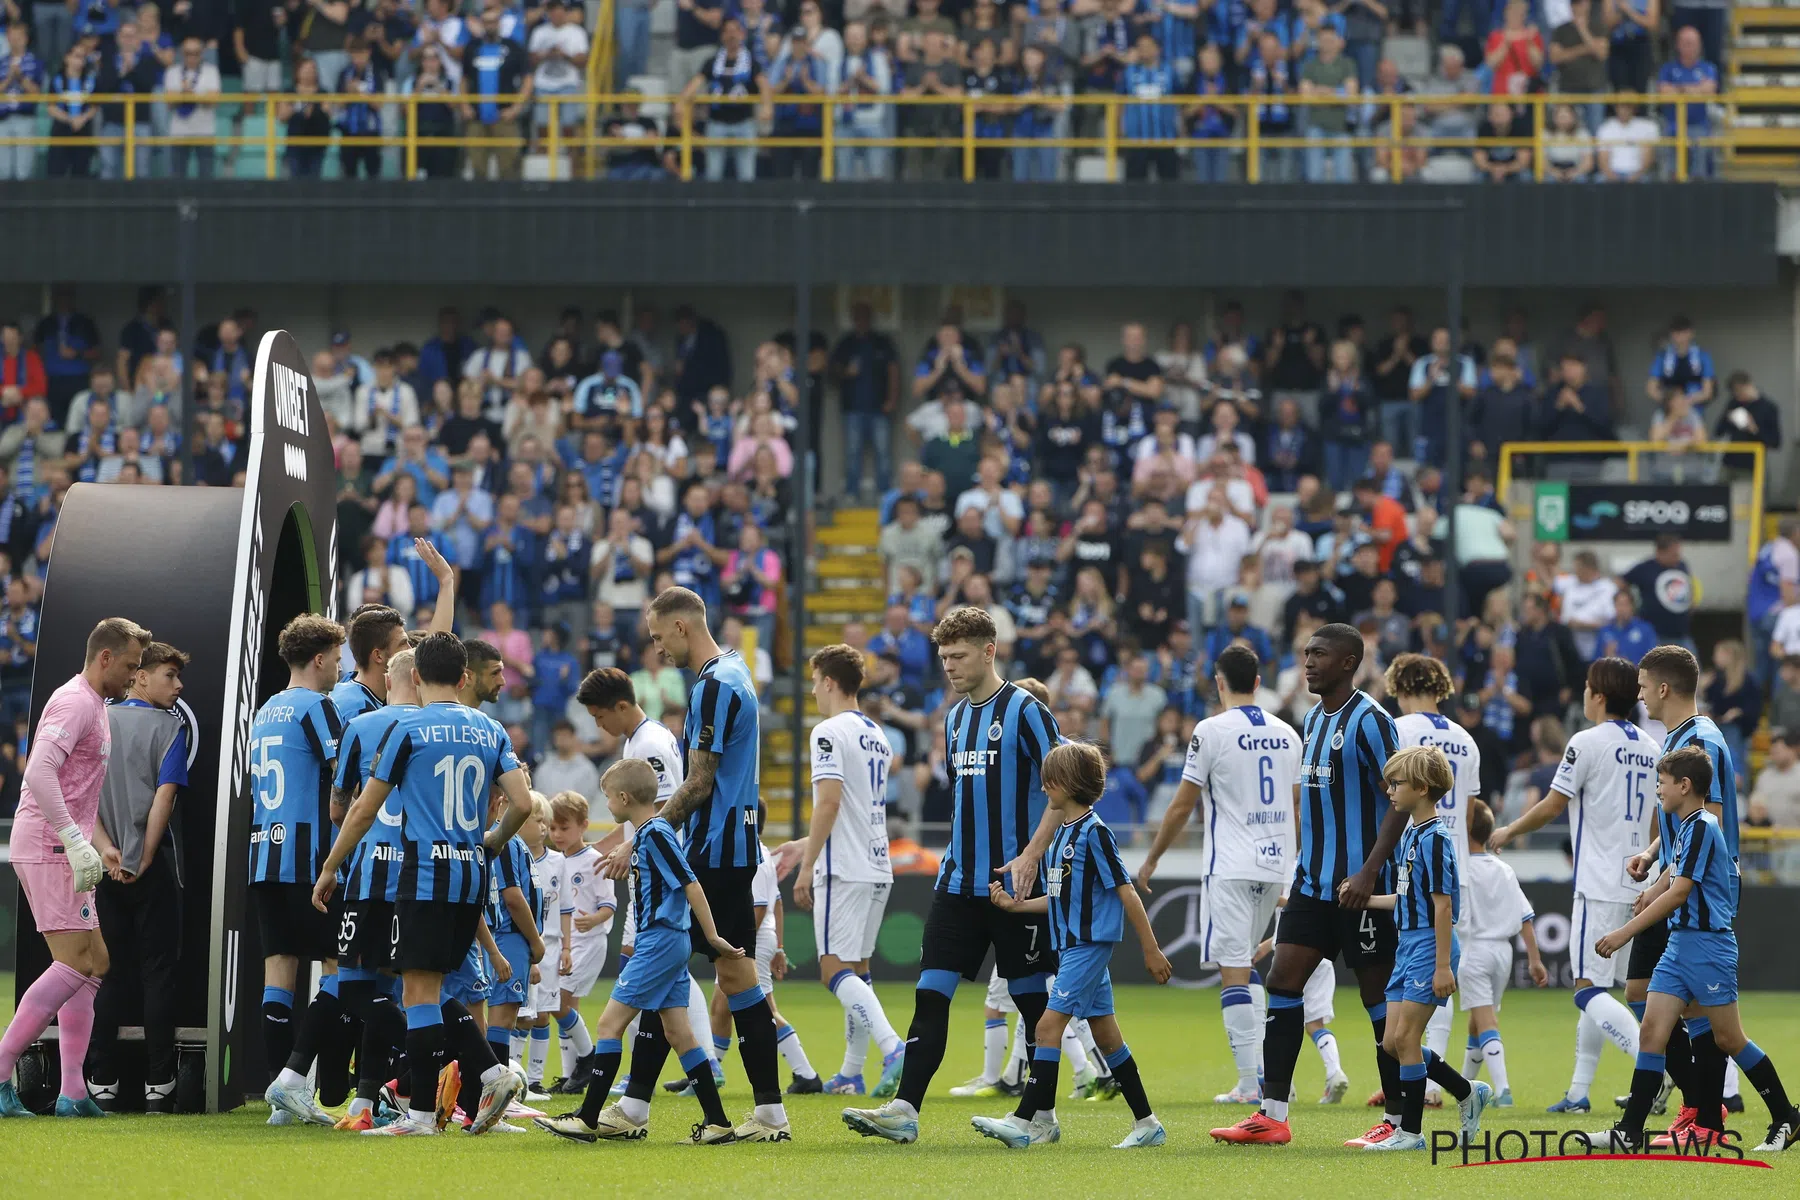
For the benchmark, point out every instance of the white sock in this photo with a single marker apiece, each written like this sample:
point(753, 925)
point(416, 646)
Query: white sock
point(1275, 1110)
point(1239, 1015)
point(901, 1108)
point(1016, 1070)
point(1437, 1040)
point(698, 1017)
point(1493, 1055)
point(521, 1035)
point(494, 1072)
point(291, 1079)
point(1259, 1004)
point(1472, 1059)
point(993, 1056)
point(1589, 1041)
point(1044, 1116)
point(359, 1105)
point(537, 1056)
point(422, 1118)
point(1613, 1019)
point(576, 1042)
point(771, 1114)
point(787, 1040)
point(1326, 1041)
point(633, 1110)
point(1731, 1078)
point(859, 1000)
point(1074, 1055)
point(1091, 1049)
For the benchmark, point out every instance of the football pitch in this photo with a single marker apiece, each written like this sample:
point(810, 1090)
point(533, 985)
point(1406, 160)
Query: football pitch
point(1175, 1035)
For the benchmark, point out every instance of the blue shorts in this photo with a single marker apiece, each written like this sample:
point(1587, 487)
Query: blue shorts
point(1082, 986)
point(518, 957)
point(469, 982)
point(1415, 962)
point(655, 977)
point(1701, 967)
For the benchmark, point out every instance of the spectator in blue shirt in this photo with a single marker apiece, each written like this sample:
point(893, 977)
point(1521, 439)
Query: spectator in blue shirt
point(462, 514)
point(1436, 381)
point(1236, 628)
point(1211, 121)
point(442, 356)
point(1628, 61)
point(1034, 78)
point(360, 120)
point(1681, 365)
point(555, 674)
point(1688, 74)
point(913, 648)
point(798, 71)
point(609, 394)
point(1225, 21)
point(1148, 77)
point(1629, 636)
point(1269, 75)
point(1262, 18)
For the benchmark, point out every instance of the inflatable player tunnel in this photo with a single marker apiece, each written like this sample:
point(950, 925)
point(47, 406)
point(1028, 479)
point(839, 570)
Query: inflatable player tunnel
point(215, 572)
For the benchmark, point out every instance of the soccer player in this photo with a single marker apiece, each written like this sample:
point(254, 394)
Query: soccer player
point(556, 912)
point(1668, 678)
point(771, 964)
point(58, 850)
point(1699, 965)
point(294, 749)
point(1246, 761)
point(1605, 781)
point(591, 897)
point(1419, 684)
point(441, 760)
point(844, 876)
point(139, 904)
point(365, 940)
point(1425, 902)
point(375, 634)
point(1494, 911)
point(486, 675)
point(512, 906)
point(997, 736)
point(1318, 1006)
point(672, 908)
point(1347, 835)
point(715, 807)
point(1089, 898)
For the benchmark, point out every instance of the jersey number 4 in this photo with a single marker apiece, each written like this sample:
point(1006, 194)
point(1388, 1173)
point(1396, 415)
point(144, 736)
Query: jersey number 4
point(462, 779)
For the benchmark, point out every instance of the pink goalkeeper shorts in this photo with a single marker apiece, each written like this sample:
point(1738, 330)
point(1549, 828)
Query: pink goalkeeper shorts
point(55, 904)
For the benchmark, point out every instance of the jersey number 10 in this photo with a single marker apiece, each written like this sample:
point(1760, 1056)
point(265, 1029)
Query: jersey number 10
point(455, 771)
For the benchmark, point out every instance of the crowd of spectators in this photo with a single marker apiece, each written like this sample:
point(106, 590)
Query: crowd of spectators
point(754, 67)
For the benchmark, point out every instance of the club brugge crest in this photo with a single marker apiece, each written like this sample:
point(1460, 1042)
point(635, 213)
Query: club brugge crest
point(1337, 740)
point(994, 732)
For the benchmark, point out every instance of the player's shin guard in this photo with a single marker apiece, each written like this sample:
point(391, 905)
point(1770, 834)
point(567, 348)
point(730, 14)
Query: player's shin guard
point(1708, 1094)
point(1386, 1064)
point(1412, 1096)
point(1131, 1084)
point(424, 1054)
point(321, 1020)
point(1239, 1015)
point(755, 1022)
point(607, 1054)
point(1040, 1093)
point(1761, 1073)
point(927, 1035)
point(1646, 1081)
point(1282, 1035)
point(278, 1026)
point(699, 1072)
point(1445, 1076)
point(649, 1051)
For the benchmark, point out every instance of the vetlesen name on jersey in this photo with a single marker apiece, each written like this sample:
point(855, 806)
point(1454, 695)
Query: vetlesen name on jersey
point(473, 735)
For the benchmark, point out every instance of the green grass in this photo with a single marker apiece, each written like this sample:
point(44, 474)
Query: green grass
point(1176, 1036)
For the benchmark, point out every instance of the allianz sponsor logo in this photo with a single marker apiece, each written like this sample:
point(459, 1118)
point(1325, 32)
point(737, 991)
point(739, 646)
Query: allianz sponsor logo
point(443, 853)
point(383, 852)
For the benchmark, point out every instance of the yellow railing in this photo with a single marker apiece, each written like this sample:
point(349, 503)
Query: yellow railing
point(1633, 453)
point(1111, 142)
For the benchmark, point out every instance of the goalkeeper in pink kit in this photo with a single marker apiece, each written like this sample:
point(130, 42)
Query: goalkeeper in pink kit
point(59, 853)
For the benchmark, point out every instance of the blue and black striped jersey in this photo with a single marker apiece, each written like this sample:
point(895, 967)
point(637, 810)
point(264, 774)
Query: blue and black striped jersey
point(509, 867)
point(442, 760)
point(293, 745)
point(1342, 797)
point(1082, 872)
point(1427, 868)
point(1700, 730)
point(1702, 856)
point(373, 869)
point(722, 718)
point(353, 699)
point(996, 749)
point(659, 875)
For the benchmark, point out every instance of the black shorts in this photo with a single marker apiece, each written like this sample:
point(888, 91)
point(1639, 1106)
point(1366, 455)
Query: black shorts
point(367, 933)
point(727, 892)
point(1363, 937)
point(289, 924)
point(959, 930)
point(433, 935)
point(1647, 950)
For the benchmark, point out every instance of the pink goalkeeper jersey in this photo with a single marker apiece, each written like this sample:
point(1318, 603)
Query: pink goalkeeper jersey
point(76, 738)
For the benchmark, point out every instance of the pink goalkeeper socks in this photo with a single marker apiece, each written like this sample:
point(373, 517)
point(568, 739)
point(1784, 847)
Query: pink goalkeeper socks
point(75, 1028)
point(37, 1007)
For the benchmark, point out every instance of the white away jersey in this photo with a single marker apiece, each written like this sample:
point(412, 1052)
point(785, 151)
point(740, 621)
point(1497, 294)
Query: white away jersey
point(853, 750)
point(1493, 903)
point(652, 742)
point(1246, 762)
point(549, 873)
point(589, 891)
point(1609, 775)
point(1434, 729)
point(765, 890)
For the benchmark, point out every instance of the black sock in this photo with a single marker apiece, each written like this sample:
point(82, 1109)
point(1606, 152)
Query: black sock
point(1131, 1084)
point(1679, 1057)
point(317, 1023)
point(341, 1037)
point(1646, 1081)
point(706, 1091)
point(1446, 1076)
point(925, 1040)
point(1031, 1006)
point(278, 1027)
point(1709, 1081)
point(383, 1044)
point(464, 1039)
point(424, 1053)
point(1760, 1071)
point(1283, 1031)
point(1412, 1097)
point(1040, 1090)
point(1386, 1065)
point(648, 1054)
point(606, 1068)
point(755, 1022)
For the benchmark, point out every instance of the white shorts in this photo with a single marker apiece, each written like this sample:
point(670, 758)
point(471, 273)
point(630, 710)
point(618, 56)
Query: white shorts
point(264, 75)
point(1234, 915)
point(546, 993)
point(1321, 988)
point(998, 998)
point(1487, 965)
point(847, 916)
point(1591, 920)
point(765, 955)
point(587, 957)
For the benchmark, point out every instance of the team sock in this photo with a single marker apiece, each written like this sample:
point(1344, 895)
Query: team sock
point(1259, 1004)
point(1761, 1073)
point(1326, 1043)
point(337, 1040)
point(1679, 1054)
point(500, 1042)
point(42, 1001)
point(699, 1070)
point(994, 1057)
point(74, 1030)
point(1646, 1081)
point(1437, 1036)
point(319, 1022)
point(1086, 1036)
point(1472, 1059)
point(1412, 1097)
point(1239, 1014)
point(383, 1031)
point(424, 1052)
point(1493, 1056)
point(538, 1054)
point(1018, 1060)
point(1732, 1087)
point(755, 1022)
point(700, 1018)
point(1386, 1065)
point(865, 1021)
point(1032, 995)
point(1281, 1049)
point(1131, 1085)
point(463, 1041)
point(649, 1051)
point(1445, 1076)
point(278, 1026)
point(1040, 1093)
point(1709, 1076)
point(1588, 1042)
point(1610, 1017)
point(926, 1036)
point(519, 1045)
point(573, 1039)
point(607, 1054)
point(788, 1042)
point(1079, 1064)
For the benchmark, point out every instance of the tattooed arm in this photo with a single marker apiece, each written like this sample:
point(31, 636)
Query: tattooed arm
point(695, 790)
